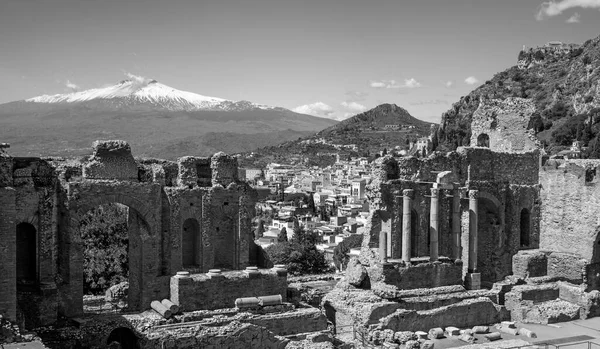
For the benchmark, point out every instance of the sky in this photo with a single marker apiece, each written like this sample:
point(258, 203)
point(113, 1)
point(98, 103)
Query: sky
point(330, 58)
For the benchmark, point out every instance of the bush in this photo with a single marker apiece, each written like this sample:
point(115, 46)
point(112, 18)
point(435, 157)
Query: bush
point(300, 259)
point(105, 239)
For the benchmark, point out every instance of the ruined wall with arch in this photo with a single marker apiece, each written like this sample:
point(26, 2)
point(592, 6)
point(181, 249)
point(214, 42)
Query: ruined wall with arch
point(507, 183)
point(53, 194)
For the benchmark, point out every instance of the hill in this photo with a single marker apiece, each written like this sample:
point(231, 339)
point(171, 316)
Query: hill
point(384, 127)
point(561, 80)
point(157, 120)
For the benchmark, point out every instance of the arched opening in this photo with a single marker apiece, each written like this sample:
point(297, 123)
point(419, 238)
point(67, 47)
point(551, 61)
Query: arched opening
point(225, 244)
point(122, 338)
point(525, 226)
point(190, 243)
point(414, 234)
point(26, 255)
point(105, 246)
point(483, 140)
point(489, 252)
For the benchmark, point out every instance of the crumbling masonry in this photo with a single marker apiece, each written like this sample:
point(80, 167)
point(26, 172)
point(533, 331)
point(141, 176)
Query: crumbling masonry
point(190, 215)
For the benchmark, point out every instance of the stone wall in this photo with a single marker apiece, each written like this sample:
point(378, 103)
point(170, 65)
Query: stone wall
point(52, 195)
point(424, 275)
point(468, 313)
point(201, 291)
point(505, 123)
point(508, 190)
point(570, 207)
point(302, 320)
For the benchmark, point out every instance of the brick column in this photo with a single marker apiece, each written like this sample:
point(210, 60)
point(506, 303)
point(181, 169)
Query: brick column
point(434, 225)
point(8, 257)
point(406, 224)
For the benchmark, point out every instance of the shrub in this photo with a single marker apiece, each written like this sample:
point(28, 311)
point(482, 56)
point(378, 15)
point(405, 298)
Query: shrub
point(105, 239)
point(299, 258)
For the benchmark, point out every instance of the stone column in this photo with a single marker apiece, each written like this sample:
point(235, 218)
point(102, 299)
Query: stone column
point(473, 278)
point(383, 246)
point(456, 247)
point(406, 224)
point(473, 195)
point(434, 225)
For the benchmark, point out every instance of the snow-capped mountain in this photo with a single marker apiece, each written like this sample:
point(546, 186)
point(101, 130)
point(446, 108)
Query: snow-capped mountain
point(132, 92)
point(157, 120)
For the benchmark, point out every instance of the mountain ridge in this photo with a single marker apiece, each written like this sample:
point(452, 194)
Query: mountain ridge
point(153, 117)
point(385, 126)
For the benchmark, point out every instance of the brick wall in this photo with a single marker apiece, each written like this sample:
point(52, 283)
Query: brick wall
point(423, 275)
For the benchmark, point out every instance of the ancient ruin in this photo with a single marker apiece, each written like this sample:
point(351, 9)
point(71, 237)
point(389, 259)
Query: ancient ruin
point(471, 237)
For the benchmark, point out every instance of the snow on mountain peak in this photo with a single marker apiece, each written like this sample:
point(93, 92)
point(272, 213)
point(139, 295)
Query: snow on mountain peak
point(141, 90)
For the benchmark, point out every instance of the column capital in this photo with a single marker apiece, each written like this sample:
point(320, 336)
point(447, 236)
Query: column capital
point(473, 194)
point(408, 193)
point(435, 192)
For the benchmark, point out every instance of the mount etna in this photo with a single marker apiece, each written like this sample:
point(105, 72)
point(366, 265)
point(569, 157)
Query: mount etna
point(157, 120)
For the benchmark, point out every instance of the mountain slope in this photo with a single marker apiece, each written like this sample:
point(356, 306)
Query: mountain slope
point(564, 85)
point(383, 127)
point(157, 120)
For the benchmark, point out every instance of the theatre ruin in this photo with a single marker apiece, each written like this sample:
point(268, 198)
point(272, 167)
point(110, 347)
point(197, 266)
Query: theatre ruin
point(466, 238)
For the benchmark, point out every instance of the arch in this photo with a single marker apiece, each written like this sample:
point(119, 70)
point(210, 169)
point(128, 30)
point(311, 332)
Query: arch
point(414, 233)
point(190, 243)
point(144, 241)
point(27, 259)
point(122, 337)
point(483, 140)
point(525, 228)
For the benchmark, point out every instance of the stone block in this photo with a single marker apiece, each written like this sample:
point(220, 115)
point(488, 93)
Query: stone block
point(473, 281)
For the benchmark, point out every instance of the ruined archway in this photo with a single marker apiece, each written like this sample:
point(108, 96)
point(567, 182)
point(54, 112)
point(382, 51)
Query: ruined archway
point(27, 259)
point(525, 228)
point(190, 243)
point(483, 140)
point(490, 234)
point(414, 233)
point(122, 337)
point(144, 250)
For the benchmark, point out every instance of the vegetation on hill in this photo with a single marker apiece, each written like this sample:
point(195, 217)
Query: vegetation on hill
point(564, 87)
point(367, 131)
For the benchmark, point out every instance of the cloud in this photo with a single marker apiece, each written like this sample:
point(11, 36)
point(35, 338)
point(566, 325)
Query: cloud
point(430, 102)
point(354, 107)
point(71, 86)
point(411, 83)
point(471, 80)
point(357, 95)
point(316, 109)
point(575, 18)
point(556, 7)
point(393, 84)
point(449, 84)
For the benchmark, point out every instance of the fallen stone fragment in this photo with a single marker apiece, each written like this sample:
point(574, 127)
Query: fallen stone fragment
point(452, 331)
point(427, 345)
point(493, 336)
point(481, 329)
point(509, 330)
point(527, 333)
point(436, 333)
point(421, 334)
point(467, 338)
point(508, 324)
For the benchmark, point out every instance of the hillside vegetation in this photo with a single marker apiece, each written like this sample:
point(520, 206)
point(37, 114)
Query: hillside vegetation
point(364, 134)
point(564, 87)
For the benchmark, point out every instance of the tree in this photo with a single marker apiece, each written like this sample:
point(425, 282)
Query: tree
point(305, 237)
point(340, 252)
point(311, 203)
point(299, 258)
point(282, 237)
point(105, 239)
point(260, 229)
